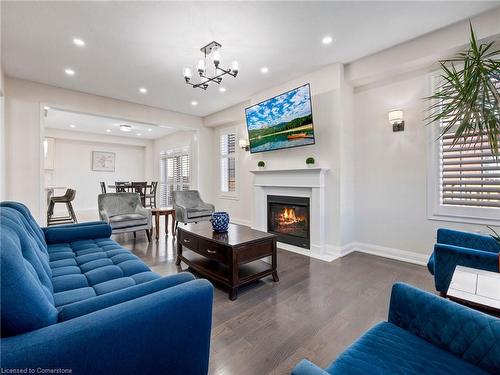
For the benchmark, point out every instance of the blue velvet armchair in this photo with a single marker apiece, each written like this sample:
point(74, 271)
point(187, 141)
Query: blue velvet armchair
point(424, 334)
point(461, 248)
point(73, 299)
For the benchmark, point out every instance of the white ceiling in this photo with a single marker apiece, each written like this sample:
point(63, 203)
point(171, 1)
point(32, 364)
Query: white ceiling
point(80, 122)
point(146, 44)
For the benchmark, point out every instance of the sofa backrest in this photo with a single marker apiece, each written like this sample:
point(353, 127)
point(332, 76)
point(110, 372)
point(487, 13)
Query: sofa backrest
point(27, 301)
point(187, 198)
point(467, 239)
point(467, 333)
point(118, 203)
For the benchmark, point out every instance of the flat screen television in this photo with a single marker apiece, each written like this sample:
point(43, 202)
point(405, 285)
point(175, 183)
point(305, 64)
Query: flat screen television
point(281, 122)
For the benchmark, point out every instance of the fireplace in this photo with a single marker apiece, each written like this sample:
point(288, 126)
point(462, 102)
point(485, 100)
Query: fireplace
point(288, 217)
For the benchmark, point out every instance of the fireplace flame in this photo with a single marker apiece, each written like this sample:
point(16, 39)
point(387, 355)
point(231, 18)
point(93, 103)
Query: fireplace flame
point(288, 216)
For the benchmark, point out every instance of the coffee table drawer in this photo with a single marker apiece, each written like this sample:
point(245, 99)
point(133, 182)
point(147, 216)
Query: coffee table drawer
point(191, 242)
point(213, 251)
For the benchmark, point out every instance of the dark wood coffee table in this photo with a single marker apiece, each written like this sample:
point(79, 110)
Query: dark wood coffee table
point(231, 259)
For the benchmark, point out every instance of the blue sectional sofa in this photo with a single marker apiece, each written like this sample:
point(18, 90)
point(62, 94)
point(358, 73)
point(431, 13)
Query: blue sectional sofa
point(461, 248)
point(425, 334)
point(72, 298)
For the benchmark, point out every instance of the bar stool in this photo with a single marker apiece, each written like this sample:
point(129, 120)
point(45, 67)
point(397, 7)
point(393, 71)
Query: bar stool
point(67, 198)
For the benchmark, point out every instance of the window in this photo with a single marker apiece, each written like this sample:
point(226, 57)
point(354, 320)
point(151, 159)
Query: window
point(227, 147)
point(175, 174)
point(466, 178)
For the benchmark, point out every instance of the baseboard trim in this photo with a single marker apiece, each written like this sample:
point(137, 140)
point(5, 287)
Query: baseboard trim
point(246, 223)
point(388, 252)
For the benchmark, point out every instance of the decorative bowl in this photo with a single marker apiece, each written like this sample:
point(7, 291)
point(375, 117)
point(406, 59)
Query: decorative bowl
point(220, 221)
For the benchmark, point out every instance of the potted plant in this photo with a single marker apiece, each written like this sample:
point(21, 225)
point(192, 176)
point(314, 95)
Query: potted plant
point(310, 162)
point(468, 97)
point(261, 164)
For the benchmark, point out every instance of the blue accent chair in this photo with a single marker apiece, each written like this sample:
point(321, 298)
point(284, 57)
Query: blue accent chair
point(424, 334)
point(461, 248)
point(72, 298)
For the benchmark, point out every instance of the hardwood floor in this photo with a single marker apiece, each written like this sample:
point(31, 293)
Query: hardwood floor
point(315, 311)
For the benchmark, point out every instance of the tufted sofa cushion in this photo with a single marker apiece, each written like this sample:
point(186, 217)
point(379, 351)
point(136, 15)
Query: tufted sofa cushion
point(88, 268)
point(41, 272)
point(27, 300)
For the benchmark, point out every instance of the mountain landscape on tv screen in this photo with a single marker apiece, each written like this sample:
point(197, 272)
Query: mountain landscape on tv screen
point(281, 122)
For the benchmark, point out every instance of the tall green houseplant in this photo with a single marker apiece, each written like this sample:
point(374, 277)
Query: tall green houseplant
point(468, 97)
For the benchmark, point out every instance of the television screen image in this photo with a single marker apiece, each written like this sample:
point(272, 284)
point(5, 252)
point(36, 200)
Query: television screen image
point(281, 122)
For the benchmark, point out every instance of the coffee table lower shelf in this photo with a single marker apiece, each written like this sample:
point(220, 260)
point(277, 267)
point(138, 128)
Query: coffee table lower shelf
point(220, 273)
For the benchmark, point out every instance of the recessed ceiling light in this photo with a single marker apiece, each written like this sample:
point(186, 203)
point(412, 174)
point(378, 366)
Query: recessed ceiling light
point(327, 40)
point(143, 90)
point(125, 128)
point(108, 130)
point(150, 130)
point(69, 72)
point(138, 134)
point(222, 89)
point(264, 69)
point(79, 42)
point(72, 126)
point(194, 103)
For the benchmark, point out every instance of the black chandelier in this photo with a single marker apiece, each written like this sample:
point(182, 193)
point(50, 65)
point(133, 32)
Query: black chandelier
point(211, 52)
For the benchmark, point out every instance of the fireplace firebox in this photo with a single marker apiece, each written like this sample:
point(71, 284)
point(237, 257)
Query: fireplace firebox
point(288, 217)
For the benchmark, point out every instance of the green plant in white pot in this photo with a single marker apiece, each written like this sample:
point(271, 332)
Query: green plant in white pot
point(261, 164)
point(466, 102)
point(310, 162)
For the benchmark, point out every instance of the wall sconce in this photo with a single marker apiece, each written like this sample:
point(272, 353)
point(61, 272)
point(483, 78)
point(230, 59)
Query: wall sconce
point(244, 144)
point(396, 120)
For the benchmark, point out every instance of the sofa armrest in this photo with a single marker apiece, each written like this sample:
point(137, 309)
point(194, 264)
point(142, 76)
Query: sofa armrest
point(145, 212)
point(77, 232)
point(469, 240)
point(86, 223)
point(306, 367)
point(90, 305)
point(447, 257)
point(467, 333)
point(167, 332)
point(103, 215)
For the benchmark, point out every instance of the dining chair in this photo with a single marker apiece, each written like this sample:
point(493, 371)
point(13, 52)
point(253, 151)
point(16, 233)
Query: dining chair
point(151, 196)
point(140, 188)
point(103, 187)
point(67, 198)
point(121, 186)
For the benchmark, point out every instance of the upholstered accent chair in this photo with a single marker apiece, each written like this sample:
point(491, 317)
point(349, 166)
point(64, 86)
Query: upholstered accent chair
point(124, 213)
point(424, 334)
point(73, 298)
point(454, 248)
point(190, 208)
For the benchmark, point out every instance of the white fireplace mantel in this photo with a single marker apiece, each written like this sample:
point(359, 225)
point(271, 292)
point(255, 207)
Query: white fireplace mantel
point(301, 182)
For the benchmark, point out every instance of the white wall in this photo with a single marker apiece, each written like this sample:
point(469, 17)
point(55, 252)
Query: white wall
point(330, 98)
point(23, 108)
point(73, 166)
point(376, 192)
point(391, 168)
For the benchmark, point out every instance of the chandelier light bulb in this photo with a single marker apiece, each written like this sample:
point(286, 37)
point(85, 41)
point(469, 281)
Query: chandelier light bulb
point(201, 66)
point(216, 56)
point(234, 66)
point(187, 73)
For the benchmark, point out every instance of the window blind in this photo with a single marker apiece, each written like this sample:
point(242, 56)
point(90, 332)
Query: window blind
point(228, 162)
point(175, 174)
point(470, 174)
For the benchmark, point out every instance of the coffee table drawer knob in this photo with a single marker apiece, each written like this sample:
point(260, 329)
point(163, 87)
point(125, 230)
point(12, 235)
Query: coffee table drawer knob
point(211, 251)
point(187, 240)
